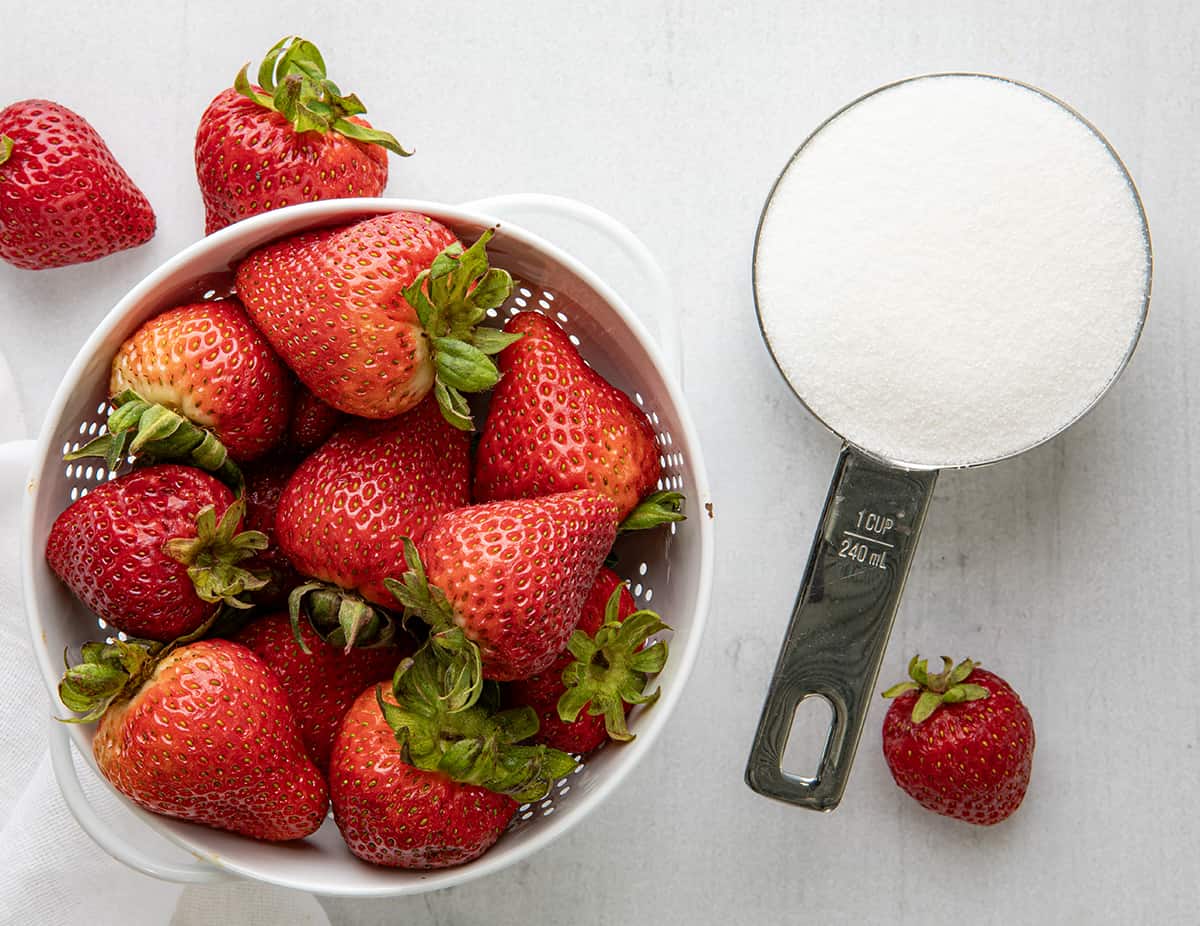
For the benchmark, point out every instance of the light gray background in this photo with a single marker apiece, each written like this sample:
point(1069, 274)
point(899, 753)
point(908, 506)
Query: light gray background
point(1074, 571)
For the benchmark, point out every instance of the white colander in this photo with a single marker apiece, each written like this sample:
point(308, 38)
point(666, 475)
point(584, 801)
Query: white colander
point(670, 568)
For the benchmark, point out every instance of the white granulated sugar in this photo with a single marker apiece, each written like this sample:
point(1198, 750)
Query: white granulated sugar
point(952, 270)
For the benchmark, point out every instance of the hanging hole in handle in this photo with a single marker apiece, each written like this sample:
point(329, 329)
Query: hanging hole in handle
point(808, 738)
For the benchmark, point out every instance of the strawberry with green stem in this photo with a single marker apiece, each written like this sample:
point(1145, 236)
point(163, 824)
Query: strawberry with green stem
point(960, 741)
point(344, 514)
point(503, 585)
point(293, 138)
point(195, 384)
point(583, 698)
point(375, 315)
point(199, 730)
point(419, 779)
point(156, 552)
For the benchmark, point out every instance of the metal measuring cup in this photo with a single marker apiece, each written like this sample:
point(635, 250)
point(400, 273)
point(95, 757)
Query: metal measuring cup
point(860, 557)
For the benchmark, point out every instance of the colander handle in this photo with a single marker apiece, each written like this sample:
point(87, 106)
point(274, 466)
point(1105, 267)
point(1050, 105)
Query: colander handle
point(841, 622)
point(197, 872)
point(661, 303)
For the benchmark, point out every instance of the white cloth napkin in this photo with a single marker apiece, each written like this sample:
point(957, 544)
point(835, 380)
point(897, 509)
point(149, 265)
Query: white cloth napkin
point(53, 873)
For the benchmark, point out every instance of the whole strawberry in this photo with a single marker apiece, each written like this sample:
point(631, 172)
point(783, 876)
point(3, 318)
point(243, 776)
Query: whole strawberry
point(960, 742)
point(555, 424)
point(195, 384)
point(418, 781)
point(345, 512)
point(322, 683)
point(64, 199)
point(582, 699)
point(202, 732)
point(155, 552)
point(503, 585)
point(373, 316)
point(292, 139)
point(265, 482)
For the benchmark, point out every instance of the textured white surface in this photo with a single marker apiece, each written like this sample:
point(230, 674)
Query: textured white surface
point(952, 270)
point(1074, 570)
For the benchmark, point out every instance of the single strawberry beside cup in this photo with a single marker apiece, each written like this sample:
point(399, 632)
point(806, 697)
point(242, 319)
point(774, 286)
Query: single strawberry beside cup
point(959, 741)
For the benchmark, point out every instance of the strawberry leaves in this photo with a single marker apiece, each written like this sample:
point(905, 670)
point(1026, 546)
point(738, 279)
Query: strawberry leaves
point(612, 668)
point(6, 148)
point(656, 508)
point(155, 434)
point(294, 84)
point(451, 299)
point(212, 556)
point(475, 745)
point(946, 687)
point(339, 617)
point(463, 664)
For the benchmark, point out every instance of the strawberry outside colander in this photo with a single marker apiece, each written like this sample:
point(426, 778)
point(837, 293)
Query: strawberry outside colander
point(670, 568)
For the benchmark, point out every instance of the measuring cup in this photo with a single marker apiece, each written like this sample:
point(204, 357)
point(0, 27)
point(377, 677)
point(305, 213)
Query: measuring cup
point(876, 505)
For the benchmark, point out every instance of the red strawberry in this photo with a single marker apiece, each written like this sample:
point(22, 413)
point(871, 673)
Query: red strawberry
point(155, 552)
point(207, 364)
point(959, 742)
point(607, 671)
point(418, 781)
point(372, 316)
point(294, 139)
point(555, 424)
point(312, 421)
point(265, 482)
point(345, 512)
point(64, 199)
point(511, 577)
point(321, 684)
point(203, 733)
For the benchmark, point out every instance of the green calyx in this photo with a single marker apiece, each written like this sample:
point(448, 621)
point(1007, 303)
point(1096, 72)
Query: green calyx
point(946, 687)
point(612, 668)
point(156, 434)
point(451, 299)
point(6, 148)
point(655, 509)
point(462, 661)
point(213, 555)
point(293, 77)
point(339, 617)
point(113, 671)
point(474, 745)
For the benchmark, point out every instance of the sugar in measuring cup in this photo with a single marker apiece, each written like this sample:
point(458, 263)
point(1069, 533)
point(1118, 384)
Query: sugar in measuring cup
point(950, 271)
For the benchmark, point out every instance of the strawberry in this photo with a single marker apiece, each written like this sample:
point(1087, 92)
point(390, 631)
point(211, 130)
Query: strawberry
point(321, 684)
point(202, 732)
point(582, 699)
point(196, 384)
point(502, 585)
point(345, 512)
point(292, 139)
point(960, 742)
point(555, 424)
point(419, 782)
point(64, 199)
point(265, 482)
point(374, 315)
point(312, 421)
point(155, 552)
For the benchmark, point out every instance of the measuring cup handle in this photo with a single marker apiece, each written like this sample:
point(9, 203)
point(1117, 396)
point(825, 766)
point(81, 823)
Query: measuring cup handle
point(841, 622)
point(659, 304)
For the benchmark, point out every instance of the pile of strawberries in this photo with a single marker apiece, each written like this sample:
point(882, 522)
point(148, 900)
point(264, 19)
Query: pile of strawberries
point(320, 589)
